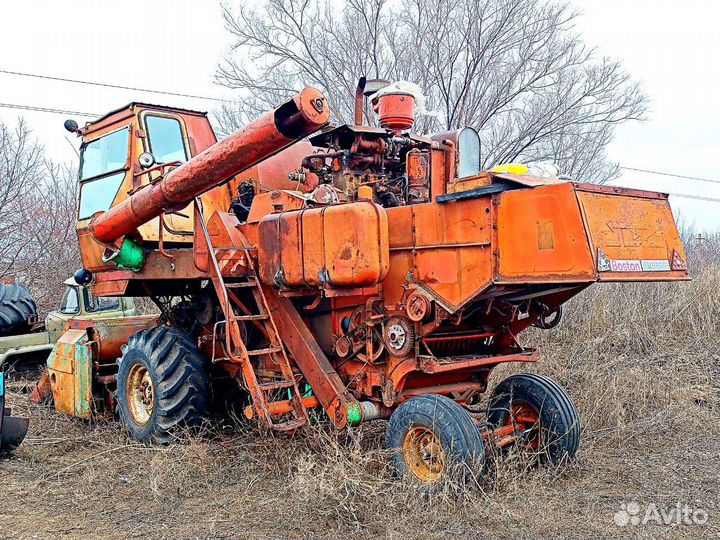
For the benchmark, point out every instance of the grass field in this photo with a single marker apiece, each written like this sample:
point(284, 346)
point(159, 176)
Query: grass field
point(642, 363)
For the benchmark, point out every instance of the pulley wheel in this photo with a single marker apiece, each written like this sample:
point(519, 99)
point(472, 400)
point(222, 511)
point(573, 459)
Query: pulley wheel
point(417, 307)
point(399, 336)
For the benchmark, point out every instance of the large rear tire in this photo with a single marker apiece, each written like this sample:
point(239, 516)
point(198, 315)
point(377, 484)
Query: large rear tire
point(16, 306)
point(162, 384)
point(433, 440)
point(540, 412)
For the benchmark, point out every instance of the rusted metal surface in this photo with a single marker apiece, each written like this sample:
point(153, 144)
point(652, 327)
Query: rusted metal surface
point(330, 390)
point(262, 138)
point(633, 237)
point(271, 358)
point(42, 390)
point(108, 335)
point(359, 271)
point(396, 112)
point(522, 426)
point(337, 245)
point(70, 367)
point(359, 102)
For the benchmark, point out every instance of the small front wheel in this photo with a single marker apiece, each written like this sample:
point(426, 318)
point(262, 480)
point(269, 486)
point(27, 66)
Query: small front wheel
point(533, 412)
point(433, 439)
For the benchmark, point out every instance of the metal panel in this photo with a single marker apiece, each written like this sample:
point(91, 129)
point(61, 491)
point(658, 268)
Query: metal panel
point(632, 237)
point(541, 237)
point(70, 367)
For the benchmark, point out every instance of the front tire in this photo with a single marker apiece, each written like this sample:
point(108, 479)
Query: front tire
point(539, 413)
point(162, 384)
point(433, 440)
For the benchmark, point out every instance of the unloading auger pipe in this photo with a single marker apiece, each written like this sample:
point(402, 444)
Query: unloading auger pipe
point(299, 117)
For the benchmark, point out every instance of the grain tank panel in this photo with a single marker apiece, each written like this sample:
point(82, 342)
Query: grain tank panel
point(541, 237)
point(633, 237)
point(446, 247)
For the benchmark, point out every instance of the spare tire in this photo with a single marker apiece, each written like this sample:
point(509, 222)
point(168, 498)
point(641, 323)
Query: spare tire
point(16, 306)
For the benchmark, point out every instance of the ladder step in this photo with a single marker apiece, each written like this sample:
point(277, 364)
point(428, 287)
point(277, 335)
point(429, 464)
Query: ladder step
point(276, 385)
point(260, 352)
point(240, 284)
point(289, 425)
point(250, 317)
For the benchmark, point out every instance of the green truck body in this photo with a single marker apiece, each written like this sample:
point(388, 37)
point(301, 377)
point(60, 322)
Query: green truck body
point(77, 303)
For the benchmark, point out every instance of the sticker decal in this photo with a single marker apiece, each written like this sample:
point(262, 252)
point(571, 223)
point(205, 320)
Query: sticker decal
point(677, 262)
point(625, 265)
point(660, 265)
point(606, 264)
point(603, 261)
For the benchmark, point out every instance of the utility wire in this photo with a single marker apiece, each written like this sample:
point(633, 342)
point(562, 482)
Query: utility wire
point(107, 85)
point(78, 113)
point(673, 175)
point(699, 197)
point(47, 110)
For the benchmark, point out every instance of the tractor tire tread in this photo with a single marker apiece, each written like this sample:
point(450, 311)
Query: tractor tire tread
point(16, 305)
point(450, 420)
point(554, 404)
point(180, 376)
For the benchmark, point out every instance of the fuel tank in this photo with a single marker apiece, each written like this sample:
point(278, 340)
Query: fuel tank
point(338, 246)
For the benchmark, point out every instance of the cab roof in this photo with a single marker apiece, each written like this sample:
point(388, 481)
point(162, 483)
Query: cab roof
point(129, 110)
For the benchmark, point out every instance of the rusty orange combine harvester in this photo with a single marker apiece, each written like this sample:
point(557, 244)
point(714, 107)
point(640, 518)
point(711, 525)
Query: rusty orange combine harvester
point(370, 272)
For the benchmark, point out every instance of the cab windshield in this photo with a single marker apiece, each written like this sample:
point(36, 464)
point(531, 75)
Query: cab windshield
point(102, 170)
point(100, 303)
point(70, 302)
point(104, 155)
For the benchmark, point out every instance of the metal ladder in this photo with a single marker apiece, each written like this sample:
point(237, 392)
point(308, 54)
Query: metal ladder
point(263, 387)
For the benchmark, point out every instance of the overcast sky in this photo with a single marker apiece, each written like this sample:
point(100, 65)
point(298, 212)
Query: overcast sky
point(670, 46)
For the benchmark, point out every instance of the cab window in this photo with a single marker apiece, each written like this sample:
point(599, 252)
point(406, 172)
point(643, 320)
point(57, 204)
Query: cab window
point(100, 303)
point(469, 153)
point(98, 194)
point(104, 155)
point(70, 302)
point(102, 171)
point(166, 139)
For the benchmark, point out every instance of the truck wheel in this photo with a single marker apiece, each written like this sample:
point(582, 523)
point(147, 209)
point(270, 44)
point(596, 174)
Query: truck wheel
point(433, 439)
point(534, 412)
point(162, 384)
point(16, 305)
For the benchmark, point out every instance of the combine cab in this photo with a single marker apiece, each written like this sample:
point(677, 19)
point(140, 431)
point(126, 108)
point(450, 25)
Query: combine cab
point(370, 272)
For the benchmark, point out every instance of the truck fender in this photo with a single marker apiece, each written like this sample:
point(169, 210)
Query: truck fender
point(23, 351)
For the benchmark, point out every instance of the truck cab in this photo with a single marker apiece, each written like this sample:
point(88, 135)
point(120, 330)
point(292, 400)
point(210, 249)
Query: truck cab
point(78, 303)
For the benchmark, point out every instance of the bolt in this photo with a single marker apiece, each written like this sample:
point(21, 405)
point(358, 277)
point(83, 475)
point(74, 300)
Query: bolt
point(319, 104)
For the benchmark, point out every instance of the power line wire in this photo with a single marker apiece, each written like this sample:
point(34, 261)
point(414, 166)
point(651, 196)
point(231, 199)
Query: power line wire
point(47, 110)
point(78, 113)
point(699, 197)
point(108, 85)
point(670, 174)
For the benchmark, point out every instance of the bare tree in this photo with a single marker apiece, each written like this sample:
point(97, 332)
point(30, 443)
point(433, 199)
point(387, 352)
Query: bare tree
point(516, 70)
point(21, 165)
point(52, 253)
point(38, 198)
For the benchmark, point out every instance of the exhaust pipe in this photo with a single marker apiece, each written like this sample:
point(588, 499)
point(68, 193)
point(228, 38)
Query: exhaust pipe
point(12, 430)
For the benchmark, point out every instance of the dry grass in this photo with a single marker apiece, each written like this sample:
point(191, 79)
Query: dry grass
point(641, 362)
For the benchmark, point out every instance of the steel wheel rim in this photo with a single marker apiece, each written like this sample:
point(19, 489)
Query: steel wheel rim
point(140, 393)
point(523, 417)
point(424, 454)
